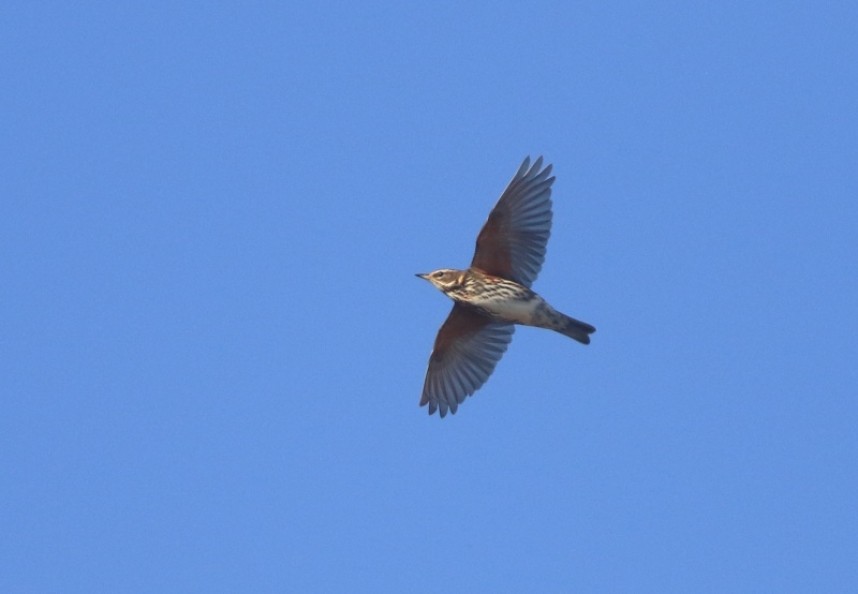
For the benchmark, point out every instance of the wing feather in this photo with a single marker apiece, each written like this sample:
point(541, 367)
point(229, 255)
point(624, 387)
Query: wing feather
point(513, 241)
point(467, 349)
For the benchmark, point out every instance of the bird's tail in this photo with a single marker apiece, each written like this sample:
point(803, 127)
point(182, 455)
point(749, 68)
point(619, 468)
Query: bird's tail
point(573, 328)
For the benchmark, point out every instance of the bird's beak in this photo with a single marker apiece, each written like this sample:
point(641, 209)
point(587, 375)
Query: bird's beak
point(424, 275)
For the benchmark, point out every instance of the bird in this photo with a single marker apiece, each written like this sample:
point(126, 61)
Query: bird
point(493, 294)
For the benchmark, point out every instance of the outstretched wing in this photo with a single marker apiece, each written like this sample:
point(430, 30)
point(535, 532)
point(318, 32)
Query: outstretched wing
point(468, 346)
point(513, 240)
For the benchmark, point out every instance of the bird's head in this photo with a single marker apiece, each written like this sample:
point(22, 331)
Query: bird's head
point(445, 279)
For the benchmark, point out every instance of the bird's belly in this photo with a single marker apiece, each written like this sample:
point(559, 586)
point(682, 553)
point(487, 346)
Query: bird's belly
point(520, 311)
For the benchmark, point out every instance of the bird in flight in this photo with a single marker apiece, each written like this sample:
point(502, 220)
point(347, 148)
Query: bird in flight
point(494, 293)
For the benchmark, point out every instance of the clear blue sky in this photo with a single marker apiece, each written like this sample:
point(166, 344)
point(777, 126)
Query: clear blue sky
point(212, 342)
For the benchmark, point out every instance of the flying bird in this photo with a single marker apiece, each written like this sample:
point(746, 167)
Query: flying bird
point(494, 294)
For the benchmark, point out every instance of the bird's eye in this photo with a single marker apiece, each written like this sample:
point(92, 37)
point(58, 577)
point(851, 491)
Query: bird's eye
point(438, 274)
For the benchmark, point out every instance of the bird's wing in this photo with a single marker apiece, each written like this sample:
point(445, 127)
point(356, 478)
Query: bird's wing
point(513, 240)
point(468, 346)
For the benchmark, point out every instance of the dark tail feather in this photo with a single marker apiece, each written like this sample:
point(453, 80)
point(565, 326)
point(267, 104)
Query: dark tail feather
point(576, 329)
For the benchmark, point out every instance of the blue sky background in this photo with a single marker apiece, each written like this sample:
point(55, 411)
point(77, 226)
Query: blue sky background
point(213, 344)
